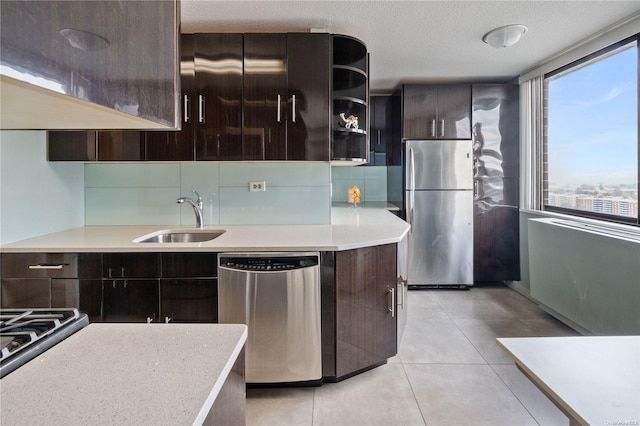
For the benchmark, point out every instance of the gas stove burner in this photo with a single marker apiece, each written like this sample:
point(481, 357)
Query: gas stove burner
point(26, 333)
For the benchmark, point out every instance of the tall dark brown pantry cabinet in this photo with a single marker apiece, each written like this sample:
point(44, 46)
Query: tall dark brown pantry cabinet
point(436, 111)
point(496, 182)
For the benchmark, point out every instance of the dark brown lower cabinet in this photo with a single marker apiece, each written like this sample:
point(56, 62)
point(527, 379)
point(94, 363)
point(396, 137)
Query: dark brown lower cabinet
point(365, 285)
point(131, 300)
point(26, 292)
point(189, 299)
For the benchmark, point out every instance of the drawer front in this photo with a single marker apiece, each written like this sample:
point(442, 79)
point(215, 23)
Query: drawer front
point(51, 265)
point(131, 265)
point(180, 265)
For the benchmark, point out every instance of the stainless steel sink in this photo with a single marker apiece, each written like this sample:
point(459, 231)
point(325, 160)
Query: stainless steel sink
point(182, 236)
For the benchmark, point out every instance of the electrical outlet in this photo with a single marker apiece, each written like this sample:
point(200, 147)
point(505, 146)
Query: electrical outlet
point(257, 186)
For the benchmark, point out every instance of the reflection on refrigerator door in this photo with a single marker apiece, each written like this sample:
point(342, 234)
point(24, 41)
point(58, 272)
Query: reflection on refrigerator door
point(440, 242)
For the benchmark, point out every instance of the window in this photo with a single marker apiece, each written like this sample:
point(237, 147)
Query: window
point(590, 165)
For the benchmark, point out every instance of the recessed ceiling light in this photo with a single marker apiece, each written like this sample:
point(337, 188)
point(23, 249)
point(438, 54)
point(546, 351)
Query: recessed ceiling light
point(505, 36)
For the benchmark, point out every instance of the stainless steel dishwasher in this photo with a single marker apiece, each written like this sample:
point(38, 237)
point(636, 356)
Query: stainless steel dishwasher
point(277, 295)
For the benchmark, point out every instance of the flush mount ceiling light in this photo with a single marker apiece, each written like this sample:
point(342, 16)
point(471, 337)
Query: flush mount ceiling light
point(84, 40)
point(505, 36)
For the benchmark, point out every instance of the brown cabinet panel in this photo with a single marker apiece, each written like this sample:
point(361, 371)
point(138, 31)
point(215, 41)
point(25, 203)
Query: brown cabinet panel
point(419, 114)
point(25, 293)
point(65, 293)
point(365, 327)
point(309, 84)
point(182, 265)
point(454, 111)
point(216, 98)
point(131, 300)
point(51, 265)
point(131, 265)
point(121, 146)
point(189, 300)
point(265, 97)
point(90, 299)
point(436, 111)
point(77, 145)
point(178, 145)
point(111, 145)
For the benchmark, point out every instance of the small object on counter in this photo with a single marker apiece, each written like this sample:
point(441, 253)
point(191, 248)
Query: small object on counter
point(354, 194)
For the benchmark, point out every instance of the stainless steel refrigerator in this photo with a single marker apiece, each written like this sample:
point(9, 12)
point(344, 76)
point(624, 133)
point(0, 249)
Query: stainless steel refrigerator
point(439, 208)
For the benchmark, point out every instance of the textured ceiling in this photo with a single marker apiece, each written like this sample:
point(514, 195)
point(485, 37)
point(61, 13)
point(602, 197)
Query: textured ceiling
point(422, 41)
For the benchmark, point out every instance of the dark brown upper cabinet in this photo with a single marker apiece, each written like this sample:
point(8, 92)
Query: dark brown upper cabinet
point(244, 97)
point(350, 117)
point(91, 145)
point(89, 64)
point(211, 102)
point(436, 111)
point(214, 89)
point(286, 96)
point(177, 145)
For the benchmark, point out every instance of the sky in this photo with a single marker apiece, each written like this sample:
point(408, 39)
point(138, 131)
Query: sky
point(593, 123)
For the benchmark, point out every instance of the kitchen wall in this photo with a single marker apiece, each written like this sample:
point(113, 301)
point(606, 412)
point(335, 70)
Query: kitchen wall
point(145, 193)
point(36, 197)
point(372, 181)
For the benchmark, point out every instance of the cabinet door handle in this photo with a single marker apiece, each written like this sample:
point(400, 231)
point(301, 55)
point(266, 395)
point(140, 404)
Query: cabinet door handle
point(201, 104)
point(46, 266)
point(187, 110)
point(392, 307)
point(442, 128)
point(433, 128)
point(379, 136)
point(278, 110)
point(293, 108)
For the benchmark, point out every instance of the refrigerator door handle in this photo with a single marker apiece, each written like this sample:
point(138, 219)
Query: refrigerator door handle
point(411, 170)
point(412, 186)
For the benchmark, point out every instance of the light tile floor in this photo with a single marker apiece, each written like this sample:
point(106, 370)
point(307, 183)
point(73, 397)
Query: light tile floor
point(448, 371)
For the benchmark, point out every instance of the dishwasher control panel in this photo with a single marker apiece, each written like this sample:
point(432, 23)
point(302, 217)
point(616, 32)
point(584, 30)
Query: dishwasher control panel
point(270, 263)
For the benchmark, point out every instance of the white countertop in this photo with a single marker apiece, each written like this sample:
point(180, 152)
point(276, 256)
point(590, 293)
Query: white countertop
point(595, 380)
point(350, 228)
point(131, 374)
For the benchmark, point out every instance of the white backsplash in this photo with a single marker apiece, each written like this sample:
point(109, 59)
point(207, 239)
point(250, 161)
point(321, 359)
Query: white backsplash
point(372, 181)
point(145, 193)
point(36, 197)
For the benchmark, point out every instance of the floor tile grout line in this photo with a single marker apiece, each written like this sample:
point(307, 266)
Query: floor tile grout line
point(513, 393)
point(470, 342)
point(415, 398)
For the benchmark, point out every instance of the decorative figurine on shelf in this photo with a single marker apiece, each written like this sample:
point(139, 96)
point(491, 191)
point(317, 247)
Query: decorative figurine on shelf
point(350, 122)
point(354, 195)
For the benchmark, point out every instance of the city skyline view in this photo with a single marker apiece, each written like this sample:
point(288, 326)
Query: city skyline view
point(592, 134)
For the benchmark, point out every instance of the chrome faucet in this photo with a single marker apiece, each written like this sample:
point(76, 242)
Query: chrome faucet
point(197, 207)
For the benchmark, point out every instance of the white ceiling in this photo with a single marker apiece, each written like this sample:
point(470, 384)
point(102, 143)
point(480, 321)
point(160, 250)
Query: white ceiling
point(423, 41)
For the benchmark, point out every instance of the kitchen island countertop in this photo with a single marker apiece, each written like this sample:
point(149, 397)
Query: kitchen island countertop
point(125, 374)
point(350, 228)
